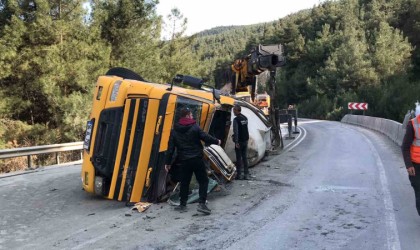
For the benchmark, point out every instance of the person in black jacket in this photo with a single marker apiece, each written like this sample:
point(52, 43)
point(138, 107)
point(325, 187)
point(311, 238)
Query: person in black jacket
point(186, 137)
point(240, 138)
point(411, 153)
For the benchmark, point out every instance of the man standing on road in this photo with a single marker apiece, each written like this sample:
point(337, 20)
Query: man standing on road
point(186, 137)
point(411, 154)
point(240, 138)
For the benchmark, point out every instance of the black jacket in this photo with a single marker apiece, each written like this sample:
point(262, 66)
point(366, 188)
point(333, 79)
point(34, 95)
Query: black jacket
point(187, 141)
point(240, 129)
point(406, 144)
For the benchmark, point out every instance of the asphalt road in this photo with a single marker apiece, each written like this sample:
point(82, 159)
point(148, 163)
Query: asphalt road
point(335, 186)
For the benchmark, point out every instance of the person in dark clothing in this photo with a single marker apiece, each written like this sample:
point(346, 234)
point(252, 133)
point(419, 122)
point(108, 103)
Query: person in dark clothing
point(411, 153)
point(186, 137)
point(240, 138)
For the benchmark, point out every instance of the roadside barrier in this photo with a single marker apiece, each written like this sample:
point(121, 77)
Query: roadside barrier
point(394, 130)
point(288, 115)
point(294, 113)
point(46, 149)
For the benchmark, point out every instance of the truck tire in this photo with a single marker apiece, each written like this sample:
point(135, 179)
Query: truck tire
point(124, 73)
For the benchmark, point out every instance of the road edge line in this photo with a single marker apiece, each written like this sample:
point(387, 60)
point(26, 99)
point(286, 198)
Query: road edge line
point(393, 239)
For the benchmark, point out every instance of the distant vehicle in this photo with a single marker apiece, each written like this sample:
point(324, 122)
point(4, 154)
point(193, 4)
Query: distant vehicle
point(263, 102)
point(244, 96)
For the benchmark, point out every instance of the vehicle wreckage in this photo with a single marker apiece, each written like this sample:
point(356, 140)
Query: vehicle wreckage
point(131, 120)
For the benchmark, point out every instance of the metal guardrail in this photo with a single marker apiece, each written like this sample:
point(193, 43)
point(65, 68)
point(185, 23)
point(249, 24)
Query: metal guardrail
point(47, 149)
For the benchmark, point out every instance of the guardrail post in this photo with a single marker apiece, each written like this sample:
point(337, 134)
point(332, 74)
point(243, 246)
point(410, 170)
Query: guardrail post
point(295, 115)
point(29, 161)
point(57, 158)
point(289, 127)
point(277, 116)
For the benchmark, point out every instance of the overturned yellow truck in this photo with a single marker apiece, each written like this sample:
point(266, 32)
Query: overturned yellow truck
point(129, 127)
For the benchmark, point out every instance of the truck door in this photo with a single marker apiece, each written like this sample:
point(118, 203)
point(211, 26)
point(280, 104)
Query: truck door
point(169, 113)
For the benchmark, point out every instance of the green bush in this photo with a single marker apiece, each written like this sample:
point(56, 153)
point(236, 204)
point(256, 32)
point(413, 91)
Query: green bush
point(316, 107)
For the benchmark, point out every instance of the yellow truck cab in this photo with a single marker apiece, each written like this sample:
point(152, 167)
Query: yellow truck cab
point(128, 131)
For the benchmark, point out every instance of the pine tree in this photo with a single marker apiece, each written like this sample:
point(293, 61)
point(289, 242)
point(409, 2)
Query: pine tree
point(176, 54)
point(349, 67)
point(48, 56)
point(132, 29)
point(392, 51)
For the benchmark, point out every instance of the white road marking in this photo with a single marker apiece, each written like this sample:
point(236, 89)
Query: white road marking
point(297, 141)
point(333, 188)
point(393, 239)
point(306, 122)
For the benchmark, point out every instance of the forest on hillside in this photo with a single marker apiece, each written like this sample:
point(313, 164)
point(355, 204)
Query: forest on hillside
point(52, 51)
point(338, 52)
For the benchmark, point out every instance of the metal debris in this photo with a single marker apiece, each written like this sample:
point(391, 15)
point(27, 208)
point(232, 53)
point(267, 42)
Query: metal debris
point(141, 206)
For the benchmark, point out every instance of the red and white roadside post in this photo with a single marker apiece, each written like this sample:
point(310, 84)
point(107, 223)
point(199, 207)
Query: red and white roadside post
point(357, 106)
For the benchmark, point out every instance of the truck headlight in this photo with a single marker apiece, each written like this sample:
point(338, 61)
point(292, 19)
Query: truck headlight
point(114, 92)
point(99, 183)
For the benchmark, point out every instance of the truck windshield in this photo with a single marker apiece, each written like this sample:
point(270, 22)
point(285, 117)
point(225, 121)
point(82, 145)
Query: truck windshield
point(193, 105)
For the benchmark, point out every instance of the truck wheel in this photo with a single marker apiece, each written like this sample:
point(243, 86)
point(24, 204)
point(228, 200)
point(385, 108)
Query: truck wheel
point(124, 73)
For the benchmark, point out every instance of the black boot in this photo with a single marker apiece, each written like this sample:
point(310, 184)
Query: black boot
point(203, 208)
point(181, 208)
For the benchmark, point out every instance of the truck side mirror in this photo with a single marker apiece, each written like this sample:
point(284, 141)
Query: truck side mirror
point(191, 81)
point(216, 95)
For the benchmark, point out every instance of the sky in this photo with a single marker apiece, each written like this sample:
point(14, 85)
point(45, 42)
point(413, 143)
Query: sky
point(207, 14)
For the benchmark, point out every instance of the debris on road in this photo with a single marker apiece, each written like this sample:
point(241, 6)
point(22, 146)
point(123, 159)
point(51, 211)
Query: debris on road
point(141, 206)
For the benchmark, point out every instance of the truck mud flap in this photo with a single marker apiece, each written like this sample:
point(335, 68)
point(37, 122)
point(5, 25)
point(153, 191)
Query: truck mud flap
point(220, 162)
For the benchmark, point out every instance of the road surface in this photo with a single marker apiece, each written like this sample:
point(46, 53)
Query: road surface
point(335, 186)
